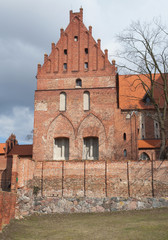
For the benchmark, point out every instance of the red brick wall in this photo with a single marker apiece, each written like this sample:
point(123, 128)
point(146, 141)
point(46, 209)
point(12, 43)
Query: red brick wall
point(99, 79)
point(102, 178)
point(52, 75)
point(7, 207)
point(22, 172)
point(5, 172)
point(74, 123)
point(104, 120)
point(3, 162)
point(25, 171)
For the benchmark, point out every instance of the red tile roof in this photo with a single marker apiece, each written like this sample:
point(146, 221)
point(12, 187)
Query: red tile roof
point(2, 145)
point(154, 143)
point(21, 150)
point(131, 91)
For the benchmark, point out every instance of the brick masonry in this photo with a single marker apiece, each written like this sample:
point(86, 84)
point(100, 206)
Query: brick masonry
point(93, 186)
point(97, 178)
point(7, 207)
point(42, 180)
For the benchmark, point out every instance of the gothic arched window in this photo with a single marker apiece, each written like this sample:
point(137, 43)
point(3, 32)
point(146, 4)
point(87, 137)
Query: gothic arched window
point(86, 101)
point(62, 101)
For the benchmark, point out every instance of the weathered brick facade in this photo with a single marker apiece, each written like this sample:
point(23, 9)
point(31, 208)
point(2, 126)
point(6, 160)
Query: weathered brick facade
point(84, 111)
point(86, 62)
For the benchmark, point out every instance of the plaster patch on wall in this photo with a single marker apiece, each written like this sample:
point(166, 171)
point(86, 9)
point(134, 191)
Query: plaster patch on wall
point(41, 106)
point(44, 139)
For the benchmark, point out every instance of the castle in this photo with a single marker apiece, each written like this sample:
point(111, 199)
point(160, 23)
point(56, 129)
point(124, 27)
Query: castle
point(83, 110)
point(96, 137)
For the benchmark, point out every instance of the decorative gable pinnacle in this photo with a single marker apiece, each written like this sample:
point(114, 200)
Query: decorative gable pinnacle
point(79, 15)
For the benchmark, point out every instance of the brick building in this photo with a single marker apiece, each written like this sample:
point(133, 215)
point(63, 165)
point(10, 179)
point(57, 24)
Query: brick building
point(83, 109)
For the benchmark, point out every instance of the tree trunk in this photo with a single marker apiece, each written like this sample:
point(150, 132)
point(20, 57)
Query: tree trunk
point(162, 153)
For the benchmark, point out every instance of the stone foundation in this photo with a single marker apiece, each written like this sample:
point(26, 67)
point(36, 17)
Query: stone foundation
point(28, 203)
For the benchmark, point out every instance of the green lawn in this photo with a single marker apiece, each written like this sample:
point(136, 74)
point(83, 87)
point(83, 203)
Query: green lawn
point(131, 225)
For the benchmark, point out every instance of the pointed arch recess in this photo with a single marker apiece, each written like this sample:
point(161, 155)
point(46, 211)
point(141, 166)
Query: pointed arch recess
point(60, 126)
point(68, 120)
point(96, 118)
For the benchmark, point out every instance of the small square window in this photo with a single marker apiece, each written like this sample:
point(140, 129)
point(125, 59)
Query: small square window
point(78, 82)
point(76, 38)
point(86, 50)
point(65, 51)
point(86, 65)
point(65, 66)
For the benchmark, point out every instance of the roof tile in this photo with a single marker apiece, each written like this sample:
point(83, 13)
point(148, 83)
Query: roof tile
point(21, 150)
point(2, 145)
point(152, 143)
point(131, 91)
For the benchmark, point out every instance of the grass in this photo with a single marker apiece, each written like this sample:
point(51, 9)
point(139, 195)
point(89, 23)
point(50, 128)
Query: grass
point(131, 225)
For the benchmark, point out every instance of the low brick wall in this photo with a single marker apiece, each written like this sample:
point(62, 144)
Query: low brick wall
point(102, 178)
point(7, 207)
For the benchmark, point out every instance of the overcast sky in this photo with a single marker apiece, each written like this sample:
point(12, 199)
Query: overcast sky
point(27, 29)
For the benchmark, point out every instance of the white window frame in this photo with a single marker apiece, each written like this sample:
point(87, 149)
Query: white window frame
point(91, 148)
point(62, 101)
point(156, 129)
point(142, 126)
point(61, 149)
point(86, 101)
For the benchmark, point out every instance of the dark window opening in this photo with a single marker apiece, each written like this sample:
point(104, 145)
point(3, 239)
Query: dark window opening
point(86, 50)
point(124, 136)
point(86, 65)
point(65, 51)
point(76, 38)
point(144, 156)
point(142, 125)
point(125, 153)
point(147, 100)
point(65, 66)
point(78, 82)
point(156, 125)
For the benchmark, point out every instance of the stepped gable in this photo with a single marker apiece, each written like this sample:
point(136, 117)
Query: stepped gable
point(76, 53)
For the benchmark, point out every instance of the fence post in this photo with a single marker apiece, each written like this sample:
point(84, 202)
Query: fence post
point(128, 179)
point(42, 179)
point(62, 178)
point(153, 194)
point(106, 178)
point(84, 178)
